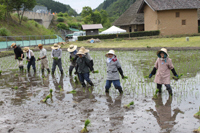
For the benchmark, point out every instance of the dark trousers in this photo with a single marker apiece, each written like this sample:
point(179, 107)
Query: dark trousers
point(71, 69)
point(116, 83)
point(31, 63)
point(84, 76)
point(57, 63)
point(159, 86)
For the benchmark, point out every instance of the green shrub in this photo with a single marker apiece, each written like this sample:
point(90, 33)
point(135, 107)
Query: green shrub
point(65, 14)
point(62, 26)
point(199, 29)
point(125, 35)
point(60, 14)
point(25, 19)
point(60, 19)
point(4, 31)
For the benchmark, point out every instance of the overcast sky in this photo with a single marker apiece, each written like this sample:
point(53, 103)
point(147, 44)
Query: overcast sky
point(79, 4)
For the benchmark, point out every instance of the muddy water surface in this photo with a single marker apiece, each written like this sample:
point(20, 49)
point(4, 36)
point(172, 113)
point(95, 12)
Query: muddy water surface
point(21, 110)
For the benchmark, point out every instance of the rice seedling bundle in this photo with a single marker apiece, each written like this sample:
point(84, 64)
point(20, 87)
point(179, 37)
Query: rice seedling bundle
point(84, 130)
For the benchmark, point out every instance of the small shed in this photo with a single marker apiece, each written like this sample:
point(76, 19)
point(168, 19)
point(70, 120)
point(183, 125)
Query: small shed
point(92, 29)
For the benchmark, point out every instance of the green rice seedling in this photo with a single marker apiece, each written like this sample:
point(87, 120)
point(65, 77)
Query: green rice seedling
point(55, 58)
point(0, 72)
point(177, 78)
point(84, 130)
point(96, 71)
point(76, 79)
point(19, 58)
point(155, 95)
point(59, 87)
point(128, 105)
point(148, 47)
point(38, 59)
point(51, 90)
point(43, 76)
point(16, 75)
point(16, 88)
point(125, 77)
point(197, 115)
point(71, 92)
point(147, 76)
point(47, 97)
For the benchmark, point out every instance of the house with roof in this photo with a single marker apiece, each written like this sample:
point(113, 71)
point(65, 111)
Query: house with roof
point(92, 29)
point(131, 20)
point(171, 17)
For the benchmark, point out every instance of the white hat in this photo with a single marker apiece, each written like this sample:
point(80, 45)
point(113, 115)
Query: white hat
point(72, 48)
point(110, 52)
point(55, 46)
point(163, 50)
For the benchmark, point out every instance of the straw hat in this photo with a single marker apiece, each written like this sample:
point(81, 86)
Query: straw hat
point(40, 45)
point(84, 50)
point(55, 46)
point(72, 48)
point(81, 52)
point(110, 52)
point(13, 44)
point(162, 50)
point(26, 49)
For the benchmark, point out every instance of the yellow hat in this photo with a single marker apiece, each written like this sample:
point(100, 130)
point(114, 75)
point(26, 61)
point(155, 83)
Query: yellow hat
point(81, 52)
point(13, 44)
point(55, 46)
point(40, 45)
point(25, 49)
point(72, 48)
point(84, 50)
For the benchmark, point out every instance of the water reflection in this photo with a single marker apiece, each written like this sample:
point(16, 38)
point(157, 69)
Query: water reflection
point(163, 113)
point(59, 94)
point(116, 112)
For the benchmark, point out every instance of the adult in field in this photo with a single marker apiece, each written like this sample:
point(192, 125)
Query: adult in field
point(73, 57)
point(113, 70)
point(83, 68)
point(30, 58)
point(19, 55)
point(43, 58)
point(163, 66)
point(87, 55)
point(56, 55)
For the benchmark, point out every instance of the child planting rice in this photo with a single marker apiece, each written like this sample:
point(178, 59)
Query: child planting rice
point(73, 57)
point(56, 54)
point(163, 66)
point(18, 55)
point(82, 68)
point(43, 58)
point(30, 58)
point(87, 55)
point(113, 70)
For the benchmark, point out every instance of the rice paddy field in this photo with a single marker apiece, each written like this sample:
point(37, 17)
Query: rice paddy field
point(22, 109)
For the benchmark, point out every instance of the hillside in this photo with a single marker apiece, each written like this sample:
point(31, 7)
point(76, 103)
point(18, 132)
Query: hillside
point(115, 8)
point(57, 7)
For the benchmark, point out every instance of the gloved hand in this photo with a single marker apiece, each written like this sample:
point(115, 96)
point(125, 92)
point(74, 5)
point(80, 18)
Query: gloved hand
point(150, 75)
point(177, 76)
point(75, 73)
point(122, 76)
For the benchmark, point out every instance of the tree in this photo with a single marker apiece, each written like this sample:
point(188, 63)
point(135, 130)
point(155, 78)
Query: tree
point(23, 5)
point(96, 17)
point(87, 19)
point(2, 11)
point(86, 11)
point(104, 17)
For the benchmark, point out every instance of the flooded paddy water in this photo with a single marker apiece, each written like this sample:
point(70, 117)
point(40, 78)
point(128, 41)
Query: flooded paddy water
point(21, 110)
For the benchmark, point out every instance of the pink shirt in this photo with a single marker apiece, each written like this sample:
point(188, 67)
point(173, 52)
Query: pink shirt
point(163, 71)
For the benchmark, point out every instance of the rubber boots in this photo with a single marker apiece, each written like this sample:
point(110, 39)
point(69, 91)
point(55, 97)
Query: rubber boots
point(70, 73)
point(91, 83)
point(83, 84)
point(120, 89)
point(42, 71)
point(34, 70)
point(61, 72)
point(169, 89)
point(48, 71)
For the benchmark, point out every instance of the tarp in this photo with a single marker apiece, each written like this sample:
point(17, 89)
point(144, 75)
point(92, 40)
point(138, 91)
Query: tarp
point(113, 30)
point(72, 29)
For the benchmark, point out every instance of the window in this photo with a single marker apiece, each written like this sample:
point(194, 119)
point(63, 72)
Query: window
point(130, 29)
point(177, 14)
point(183, 22)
